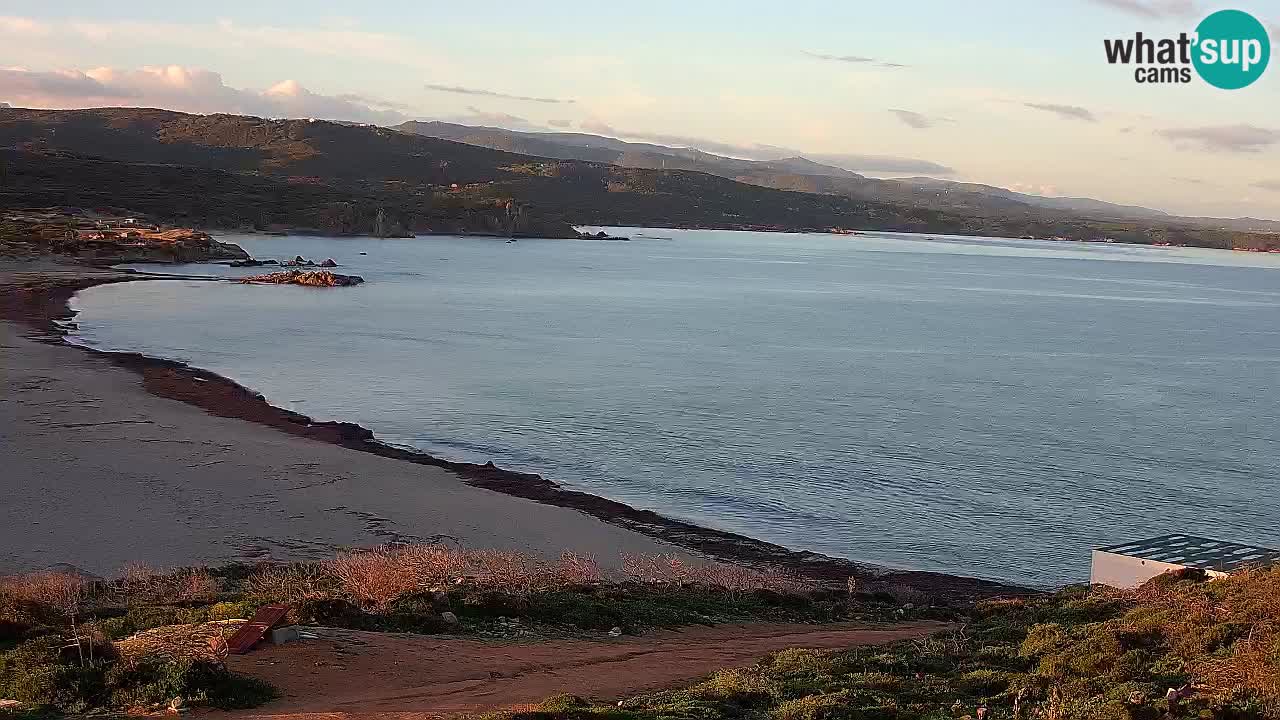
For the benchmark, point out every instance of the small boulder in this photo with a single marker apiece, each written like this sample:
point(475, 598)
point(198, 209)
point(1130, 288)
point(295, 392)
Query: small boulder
point(329, 262)
point(449, 618)
point(615, 632)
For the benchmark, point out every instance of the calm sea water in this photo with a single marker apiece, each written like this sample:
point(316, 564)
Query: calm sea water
point(980, 406)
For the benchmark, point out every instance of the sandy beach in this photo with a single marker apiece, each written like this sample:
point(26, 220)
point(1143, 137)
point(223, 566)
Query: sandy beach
point(100, 472)
point(115, 458)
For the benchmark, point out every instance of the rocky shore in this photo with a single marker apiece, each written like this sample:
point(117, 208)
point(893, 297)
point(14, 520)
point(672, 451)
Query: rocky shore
point(96, 238)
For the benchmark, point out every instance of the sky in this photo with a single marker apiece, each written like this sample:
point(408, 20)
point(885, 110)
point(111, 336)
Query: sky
point(1014, 93)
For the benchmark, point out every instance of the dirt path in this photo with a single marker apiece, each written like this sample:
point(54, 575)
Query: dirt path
point(347, 674)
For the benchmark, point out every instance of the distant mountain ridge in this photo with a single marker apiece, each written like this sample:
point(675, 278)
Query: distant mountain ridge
point(784, 173)
point(804, 175)
point(231, 171)
point(1058, 203)
point(600, 148)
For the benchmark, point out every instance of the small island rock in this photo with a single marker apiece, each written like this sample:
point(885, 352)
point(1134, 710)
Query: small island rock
point(314, 278)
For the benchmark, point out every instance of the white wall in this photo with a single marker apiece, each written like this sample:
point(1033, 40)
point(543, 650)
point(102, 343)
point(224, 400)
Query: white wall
point(1125, 572)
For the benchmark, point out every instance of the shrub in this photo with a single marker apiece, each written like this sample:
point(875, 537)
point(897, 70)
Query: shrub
point(984, 682)
point(292, 584)
point(813, 707)
point(563, 703)
point(241, 610)
point(374, 578)
point(198, 682)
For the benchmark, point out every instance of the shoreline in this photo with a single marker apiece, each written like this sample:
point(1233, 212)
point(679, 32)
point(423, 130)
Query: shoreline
point(41, 303)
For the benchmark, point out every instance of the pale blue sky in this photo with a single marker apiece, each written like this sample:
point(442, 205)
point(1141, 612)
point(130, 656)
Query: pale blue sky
point(741, 73)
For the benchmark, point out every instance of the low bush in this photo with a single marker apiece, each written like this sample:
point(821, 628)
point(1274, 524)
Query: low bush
point(39, 675)
point(1079, 654)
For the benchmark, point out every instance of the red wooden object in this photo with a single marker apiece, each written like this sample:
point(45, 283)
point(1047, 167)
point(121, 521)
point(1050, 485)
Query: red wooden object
point(251, 633)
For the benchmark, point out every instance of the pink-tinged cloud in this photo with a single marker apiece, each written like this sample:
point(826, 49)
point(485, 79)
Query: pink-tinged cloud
point(1224, 138)
point(22, 26)
point(180, 88)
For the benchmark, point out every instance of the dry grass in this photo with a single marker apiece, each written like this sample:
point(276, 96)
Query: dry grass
point(1228, 630)
point(58, 595)
point(376, 578)
point(204, 641)
point(291, 583)
point(673, 570)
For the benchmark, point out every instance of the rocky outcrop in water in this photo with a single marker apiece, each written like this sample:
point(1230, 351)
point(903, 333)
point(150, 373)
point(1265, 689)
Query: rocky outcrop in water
point(315, 278)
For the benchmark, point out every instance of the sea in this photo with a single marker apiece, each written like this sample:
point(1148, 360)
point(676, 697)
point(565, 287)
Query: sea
point(980, 406)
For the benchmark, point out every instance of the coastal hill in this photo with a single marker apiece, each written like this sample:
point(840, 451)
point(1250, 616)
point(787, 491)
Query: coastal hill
point(805, 175)
point(239, 172)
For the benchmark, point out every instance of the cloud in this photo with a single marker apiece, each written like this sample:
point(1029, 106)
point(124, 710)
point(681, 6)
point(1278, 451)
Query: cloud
point(840, 58)
point(913, 119)
point(180, 88)
point(1153, 9)
point(22, 26)
point(753, 152)
point(881, 164)
point(1224, 138)
point(884, 164)
point(22, 86)
point(853, 60)
point(374, 102)
point(1272, 185)
point(346, 42)
point(1071, 112)
point(1034, 189)
point(475, 116)
point(490, 93)
point(560, 123)
point(496, 117)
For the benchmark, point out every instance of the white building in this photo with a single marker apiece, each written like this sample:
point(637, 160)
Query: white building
point(1130, 564)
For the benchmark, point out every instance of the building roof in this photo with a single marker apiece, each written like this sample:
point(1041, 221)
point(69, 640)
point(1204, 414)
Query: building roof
point(1197, 552)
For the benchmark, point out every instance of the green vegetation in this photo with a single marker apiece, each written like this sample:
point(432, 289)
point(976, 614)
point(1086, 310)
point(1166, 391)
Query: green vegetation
point(146, 638)
point(234, 172)
point(69, 644)
point(57, 652)
point(1077, 654)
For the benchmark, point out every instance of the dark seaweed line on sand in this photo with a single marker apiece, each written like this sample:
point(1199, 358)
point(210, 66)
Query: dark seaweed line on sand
point(43, 305)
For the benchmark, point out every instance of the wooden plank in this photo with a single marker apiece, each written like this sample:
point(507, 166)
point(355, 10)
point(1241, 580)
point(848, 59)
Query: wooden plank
point(252, 632)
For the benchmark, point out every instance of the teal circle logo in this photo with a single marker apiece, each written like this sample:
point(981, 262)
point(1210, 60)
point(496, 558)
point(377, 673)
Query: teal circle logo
point(1232, 49)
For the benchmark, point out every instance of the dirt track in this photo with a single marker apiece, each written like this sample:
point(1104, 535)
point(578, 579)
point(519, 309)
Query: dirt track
point(347, 674)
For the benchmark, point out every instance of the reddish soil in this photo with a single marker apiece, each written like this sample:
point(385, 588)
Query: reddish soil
point(348, 674)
